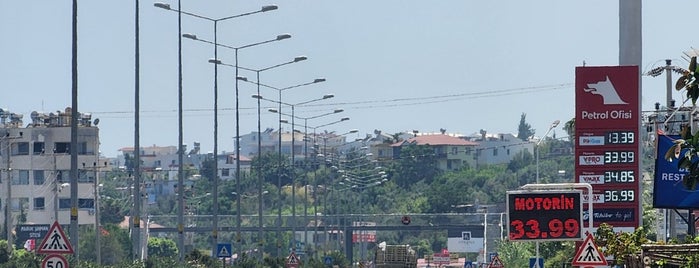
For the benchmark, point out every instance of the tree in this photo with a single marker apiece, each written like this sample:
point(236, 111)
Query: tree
point(569, 128)
point(162, 247)
point(622, 245)
point(515, 254)
point(417, 162)
point(524, 131)
point(520, 161)
point(685, 150)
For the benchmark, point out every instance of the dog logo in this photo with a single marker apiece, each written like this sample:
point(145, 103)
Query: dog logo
point(606, 90)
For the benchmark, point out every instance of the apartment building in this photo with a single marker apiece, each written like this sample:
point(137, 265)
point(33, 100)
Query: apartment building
point(35, 162)
point(453, 153)
point(498, 148)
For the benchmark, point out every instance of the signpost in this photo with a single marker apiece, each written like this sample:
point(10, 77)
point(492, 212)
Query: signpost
point(55, 242)
point(496, 263)
point(589, 254)
point(292, 261)
point(607, 123)
point(533, 263)
point(544, 215)
point(224, 250)
point(54, 261)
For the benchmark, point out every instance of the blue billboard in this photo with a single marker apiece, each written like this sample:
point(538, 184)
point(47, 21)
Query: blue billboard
point(668, 190)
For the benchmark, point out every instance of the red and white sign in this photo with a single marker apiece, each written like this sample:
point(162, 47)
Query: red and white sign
point(55, 241)
point(589, 254)
point(54, 261)
point(607, 124)
point(441, 257)
point(496, 263)
point(364, 234)
point(292, 261)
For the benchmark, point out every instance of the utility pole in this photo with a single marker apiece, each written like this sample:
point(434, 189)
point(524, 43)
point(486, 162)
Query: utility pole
point(8, 203)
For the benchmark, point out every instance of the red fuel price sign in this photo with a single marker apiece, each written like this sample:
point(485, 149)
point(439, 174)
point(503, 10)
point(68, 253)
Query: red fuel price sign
point(607, 127)
point(549, 215)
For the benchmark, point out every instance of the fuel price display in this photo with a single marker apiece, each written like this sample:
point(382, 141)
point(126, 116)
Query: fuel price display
point(607, 143)
point(549, 215)
point(621, 137)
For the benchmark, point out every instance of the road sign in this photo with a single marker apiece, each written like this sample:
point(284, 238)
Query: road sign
point(532, 263)
point(491, 256)
point(545, 215)
point(224, 250)
point(496, 263)
point(55, 241)
point(589, 254)
point(328, 260)
point(292, 261)
point(54, 261)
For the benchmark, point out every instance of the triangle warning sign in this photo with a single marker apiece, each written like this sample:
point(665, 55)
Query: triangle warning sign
point(55, 241)
point(224, 252)
point(496, 263)
point(292, 259)
point(589, 254)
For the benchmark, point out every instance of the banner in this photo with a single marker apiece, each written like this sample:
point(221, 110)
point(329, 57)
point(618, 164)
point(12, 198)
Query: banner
point(468, 239)
point(668, 190)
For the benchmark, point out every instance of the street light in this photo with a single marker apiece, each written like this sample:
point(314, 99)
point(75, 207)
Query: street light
point(293, 162)
point(215, 21)
point(553, 125)
point(360, 182)
point(259, 135)
point(279, 180)
point(305, 140)
point(217, 62)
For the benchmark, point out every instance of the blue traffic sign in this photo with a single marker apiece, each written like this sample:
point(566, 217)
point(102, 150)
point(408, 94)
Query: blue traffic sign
point(328, 260)
point(224, 250)
point(532, 264)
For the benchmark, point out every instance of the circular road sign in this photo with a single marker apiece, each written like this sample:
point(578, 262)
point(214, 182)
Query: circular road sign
point(54, 261)
point(405, 220)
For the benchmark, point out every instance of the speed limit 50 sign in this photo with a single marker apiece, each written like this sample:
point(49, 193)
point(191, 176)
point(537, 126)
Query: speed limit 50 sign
point(54, 261)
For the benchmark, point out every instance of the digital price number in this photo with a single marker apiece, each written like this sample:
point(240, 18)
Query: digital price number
point(619, 157)
point(620, 137)
point(619, 176)
point(546, 215)
point(625, 195)
point(553, 229)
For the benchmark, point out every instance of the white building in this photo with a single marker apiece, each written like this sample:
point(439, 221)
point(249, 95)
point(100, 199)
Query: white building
point(35, 162)
point(498, 148)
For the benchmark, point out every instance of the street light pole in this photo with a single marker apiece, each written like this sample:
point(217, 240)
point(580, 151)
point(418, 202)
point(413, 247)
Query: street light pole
point(259, 141)
point(293, 169)
point(279, 180)
point(216, 62)
point(305, 125)
point(553, 125)
point(214, 231)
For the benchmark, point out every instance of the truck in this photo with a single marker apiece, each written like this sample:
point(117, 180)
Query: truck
point(395, 256)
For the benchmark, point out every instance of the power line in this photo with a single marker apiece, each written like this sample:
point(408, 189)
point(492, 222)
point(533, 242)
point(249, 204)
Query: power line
point(364, 104)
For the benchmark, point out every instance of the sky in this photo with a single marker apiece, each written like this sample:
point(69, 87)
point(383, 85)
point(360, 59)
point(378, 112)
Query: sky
point(393, 65)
